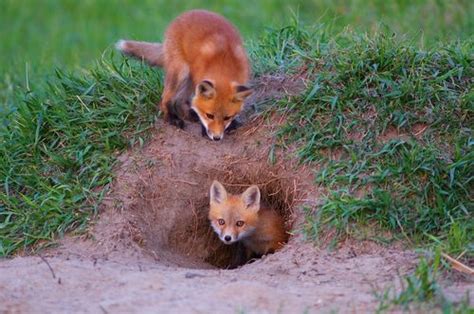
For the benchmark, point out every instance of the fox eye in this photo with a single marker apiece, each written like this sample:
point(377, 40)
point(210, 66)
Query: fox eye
point(239, 223)
point(221, 222)
point(210, 116)
point(227, 118)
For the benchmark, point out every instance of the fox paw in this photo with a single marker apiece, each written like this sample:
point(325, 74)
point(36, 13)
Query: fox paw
point(176, 121)
point(233, 126)
point(193, 117)
point(203, 131)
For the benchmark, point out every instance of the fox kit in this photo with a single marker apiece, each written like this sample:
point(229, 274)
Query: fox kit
point(206, 68)
point(240, 218)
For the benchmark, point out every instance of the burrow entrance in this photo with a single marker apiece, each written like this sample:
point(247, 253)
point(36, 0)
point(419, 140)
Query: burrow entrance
point(167, 207)
point(170, 212)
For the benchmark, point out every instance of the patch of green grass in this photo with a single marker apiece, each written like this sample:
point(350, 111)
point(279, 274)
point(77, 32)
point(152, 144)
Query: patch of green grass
point(420, 291)
point(390, 127)
point(59, 146)
point(70, 33)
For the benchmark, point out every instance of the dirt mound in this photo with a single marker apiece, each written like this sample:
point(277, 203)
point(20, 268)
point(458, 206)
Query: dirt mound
point(162, 191)
point(152, 248)
point(167, 196)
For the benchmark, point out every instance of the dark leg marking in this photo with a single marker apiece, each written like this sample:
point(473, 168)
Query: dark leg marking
point(203, 131)
point(173, 115)
point(193, 116)
point(179, 105)
point(239, 256)
point(233, 126)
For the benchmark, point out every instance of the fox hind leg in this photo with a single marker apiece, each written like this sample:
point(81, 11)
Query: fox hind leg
point(177, 93)
point(173, 117)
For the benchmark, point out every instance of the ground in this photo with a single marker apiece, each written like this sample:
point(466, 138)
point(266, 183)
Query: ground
point(151, 248)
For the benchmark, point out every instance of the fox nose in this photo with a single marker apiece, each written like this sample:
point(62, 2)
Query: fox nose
point(216, 138)
point(228, 238)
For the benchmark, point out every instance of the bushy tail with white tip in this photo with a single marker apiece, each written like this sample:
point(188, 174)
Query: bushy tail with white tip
point(152, 53)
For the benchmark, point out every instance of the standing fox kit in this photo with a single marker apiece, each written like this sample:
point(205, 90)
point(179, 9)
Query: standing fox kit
point(240, 218)
point(205, 64)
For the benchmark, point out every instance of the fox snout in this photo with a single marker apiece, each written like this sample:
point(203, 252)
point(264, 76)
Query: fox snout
point(213, 130)
point(228, 238)
point(226, 235)
point(215, 134)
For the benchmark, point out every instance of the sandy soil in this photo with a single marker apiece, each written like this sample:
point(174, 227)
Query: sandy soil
point(151, 249)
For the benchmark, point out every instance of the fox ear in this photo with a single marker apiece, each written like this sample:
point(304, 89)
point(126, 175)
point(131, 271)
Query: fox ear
point(218, 192)
point(251, 198)
point(242, 92)
point(206, 89)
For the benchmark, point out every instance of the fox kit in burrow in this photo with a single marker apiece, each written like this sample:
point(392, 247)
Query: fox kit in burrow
point(240, 218)
point(205, 64)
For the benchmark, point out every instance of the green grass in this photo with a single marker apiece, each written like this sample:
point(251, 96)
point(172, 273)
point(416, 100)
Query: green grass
point(420, 292)
point(59, 146)
point(418, 185)
point(69, 33)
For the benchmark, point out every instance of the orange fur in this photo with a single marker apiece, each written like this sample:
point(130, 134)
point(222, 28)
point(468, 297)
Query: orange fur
point(261, 231)
point(205, 62)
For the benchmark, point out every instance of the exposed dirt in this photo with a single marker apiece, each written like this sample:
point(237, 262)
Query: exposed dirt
point(151, 249)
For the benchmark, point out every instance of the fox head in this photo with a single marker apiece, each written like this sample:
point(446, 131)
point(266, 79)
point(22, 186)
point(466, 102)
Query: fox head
point(217, 107)
point(233, 217)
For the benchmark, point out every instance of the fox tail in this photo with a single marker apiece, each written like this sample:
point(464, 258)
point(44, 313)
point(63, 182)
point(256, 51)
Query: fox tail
point(152, 53)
